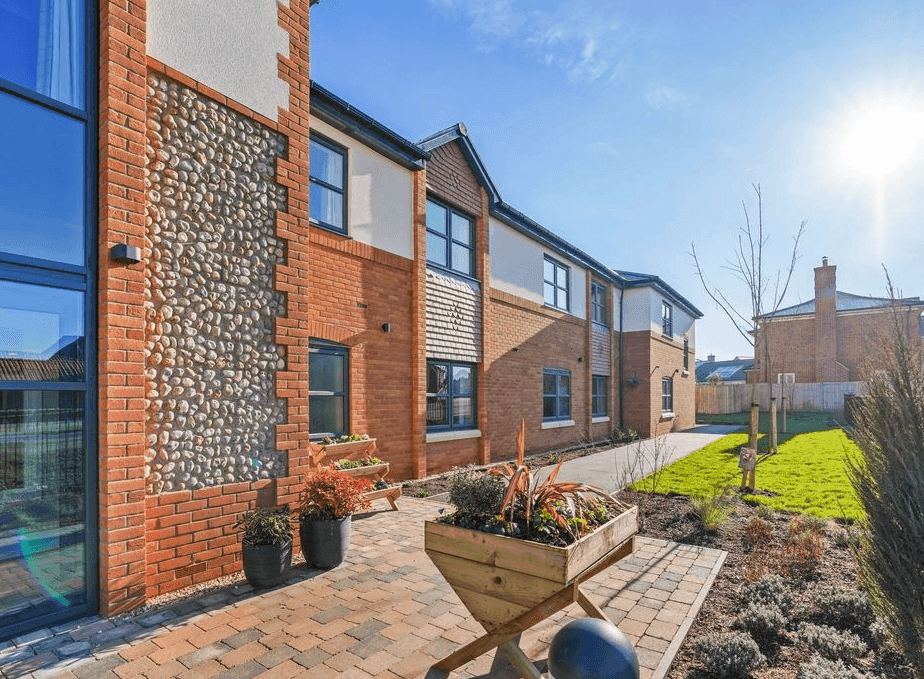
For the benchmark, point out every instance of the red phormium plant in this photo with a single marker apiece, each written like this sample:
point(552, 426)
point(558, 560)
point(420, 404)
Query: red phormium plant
point(329, 494)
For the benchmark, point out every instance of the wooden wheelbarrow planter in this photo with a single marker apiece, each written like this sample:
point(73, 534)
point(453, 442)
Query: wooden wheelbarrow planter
point(319, 455)
point(510, 585)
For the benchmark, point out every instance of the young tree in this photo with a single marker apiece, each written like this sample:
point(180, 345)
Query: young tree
point(889, 480)
point(765, 291)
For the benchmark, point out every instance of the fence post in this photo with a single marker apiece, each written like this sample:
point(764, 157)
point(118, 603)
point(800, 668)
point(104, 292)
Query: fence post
point(773, 448)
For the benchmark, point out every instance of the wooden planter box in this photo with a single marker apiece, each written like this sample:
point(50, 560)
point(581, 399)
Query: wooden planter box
point(376, 470)
point(500, 578)
point(354, 450)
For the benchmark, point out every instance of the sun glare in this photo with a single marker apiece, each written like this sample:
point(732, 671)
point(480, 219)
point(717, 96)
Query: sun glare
point(882, 139)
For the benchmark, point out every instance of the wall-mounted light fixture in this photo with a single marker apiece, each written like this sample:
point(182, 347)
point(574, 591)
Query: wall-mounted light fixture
point(386, 327)
point(123, 253)
point(580, 359)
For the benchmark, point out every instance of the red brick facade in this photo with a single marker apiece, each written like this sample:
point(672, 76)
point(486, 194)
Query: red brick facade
point(830, 344)
point(335, 288)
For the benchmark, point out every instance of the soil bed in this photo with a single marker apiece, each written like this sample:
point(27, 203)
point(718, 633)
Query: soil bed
point(670, 518)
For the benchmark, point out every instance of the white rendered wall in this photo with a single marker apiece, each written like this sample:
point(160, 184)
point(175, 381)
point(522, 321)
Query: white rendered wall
point(228, 45)
point(643, 313)
point(380, 196)
point(517, 267)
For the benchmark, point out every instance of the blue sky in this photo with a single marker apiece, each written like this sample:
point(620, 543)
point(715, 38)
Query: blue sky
point(634, 129)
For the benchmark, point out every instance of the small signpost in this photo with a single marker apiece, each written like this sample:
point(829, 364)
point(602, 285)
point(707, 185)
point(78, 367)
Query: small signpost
point(747, 457)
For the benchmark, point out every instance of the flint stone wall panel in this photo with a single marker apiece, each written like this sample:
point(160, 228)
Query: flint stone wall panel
point(210, 305)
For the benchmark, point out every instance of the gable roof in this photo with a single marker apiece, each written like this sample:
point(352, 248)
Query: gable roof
point(727, 371)
point(844, 301)
point(641, 280)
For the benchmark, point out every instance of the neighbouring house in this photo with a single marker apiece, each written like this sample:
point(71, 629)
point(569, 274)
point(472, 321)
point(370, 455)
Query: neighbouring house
point(834, 337)
point(732, 371)
point(207, 261)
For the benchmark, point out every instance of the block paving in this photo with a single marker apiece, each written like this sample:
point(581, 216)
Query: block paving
point(385, 613)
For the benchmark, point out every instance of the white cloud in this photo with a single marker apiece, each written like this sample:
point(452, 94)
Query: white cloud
point(663, 97)
point(582, 38)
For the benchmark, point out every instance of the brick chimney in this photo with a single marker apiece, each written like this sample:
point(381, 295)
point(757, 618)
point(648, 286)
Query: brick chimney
point(710, 358)
point(825, 323)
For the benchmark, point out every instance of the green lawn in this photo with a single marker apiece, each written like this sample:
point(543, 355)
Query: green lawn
point(808, 475)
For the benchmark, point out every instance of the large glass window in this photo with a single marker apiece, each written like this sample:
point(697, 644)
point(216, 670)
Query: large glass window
point(328, 185)
point(557, 284)
point(42, 47)
point(600, 396)
point(450, 395)
point(47, 317)
point(328, 389)
point(556, 394)
point(450, 239)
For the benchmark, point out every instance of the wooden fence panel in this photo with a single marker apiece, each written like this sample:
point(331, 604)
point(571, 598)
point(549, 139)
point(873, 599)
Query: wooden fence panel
point(721, 399)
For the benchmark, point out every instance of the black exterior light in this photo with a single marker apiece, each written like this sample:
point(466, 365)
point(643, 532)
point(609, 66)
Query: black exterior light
point(123, 253)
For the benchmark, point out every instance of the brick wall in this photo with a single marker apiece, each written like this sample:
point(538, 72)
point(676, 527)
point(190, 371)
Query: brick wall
point(523, 339)
point(792, 349)
point(651, 357)
point(120, 364)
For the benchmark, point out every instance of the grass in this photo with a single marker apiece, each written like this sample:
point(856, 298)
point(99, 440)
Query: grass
point(808, 475)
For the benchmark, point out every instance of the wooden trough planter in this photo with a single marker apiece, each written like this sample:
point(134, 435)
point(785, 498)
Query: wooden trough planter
point(319, 455)
point(510, 585)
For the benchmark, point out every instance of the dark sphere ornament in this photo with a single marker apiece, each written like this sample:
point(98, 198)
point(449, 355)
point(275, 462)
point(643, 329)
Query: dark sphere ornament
point(592, 649)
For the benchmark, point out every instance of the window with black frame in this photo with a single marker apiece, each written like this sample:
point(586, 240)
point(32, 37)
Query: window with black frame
point(600, 396)
point(598, 304)
point(328, 184)
point(667, 394)
point(667, 319)
point(556, 284)
point(450, 238)
point(556, 394)
point(451, 400)
point(328, 389)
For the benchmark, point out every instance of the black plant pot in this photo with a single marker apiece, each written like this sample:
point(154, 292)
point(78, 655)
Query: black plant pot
point(267, 565)
point(325, 543)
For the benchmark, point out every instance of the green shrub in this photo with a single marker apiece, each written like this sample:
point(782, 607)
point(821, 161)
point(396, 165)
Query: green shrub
point(770, 590)
point(889, 481)
point(822, 668)
point(265, 526)
point(844, 609)
point(729, 655)
point(712, 508)
point(762, 620)
point(831, 643)
point(475, 493)
point(764, 512)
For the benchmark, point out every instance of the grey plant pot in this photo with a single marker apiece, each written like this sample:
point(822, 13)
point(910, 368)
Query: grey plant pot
point(325, 543)
point(267, 565)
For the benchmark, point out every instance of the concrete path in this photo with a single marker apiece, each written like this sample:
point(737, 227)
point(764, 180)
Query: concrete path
point(614, 469)
point(385, 613)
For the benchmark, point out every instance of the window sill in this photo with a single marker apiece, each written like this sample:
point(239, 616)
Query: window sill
point(598, 420)
point(557, 424)
point(437, 436)
point(331, 229)
point(667, 416)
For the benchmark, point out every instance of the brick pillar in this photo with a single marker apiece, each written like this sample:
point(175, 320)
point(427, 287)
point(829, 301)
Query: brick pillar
point(483, 270)
point(122, 93)
point(419, 330)
point(292, 225)
point(825, 323)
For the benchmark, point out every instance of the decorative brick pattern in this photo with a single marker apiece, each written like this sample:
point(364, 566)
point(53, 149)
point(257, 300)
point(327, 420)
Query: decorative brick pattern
point(450, 178)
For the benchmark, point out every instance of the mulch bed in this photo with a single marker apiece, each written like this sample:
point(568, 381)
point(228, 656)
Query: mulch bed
point(670, 518)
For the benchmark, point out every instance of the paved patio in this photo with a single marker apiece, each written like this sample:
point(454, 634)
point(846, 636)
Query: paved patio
point(385, 613)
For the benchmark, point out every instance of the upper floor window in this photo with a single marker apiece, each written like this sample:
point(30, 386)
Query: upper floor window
point(667, 319)
point(598, 304)
point(328, 389)
point(667, 394)
point(42, 48)
point(557, 284)
point(450, 239)
point(556, 394)
point(328, 185)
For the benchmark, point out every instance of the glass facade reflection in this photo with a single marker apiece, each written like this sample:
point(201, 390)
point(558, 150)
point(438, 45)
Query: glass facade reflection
point(47, 410)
